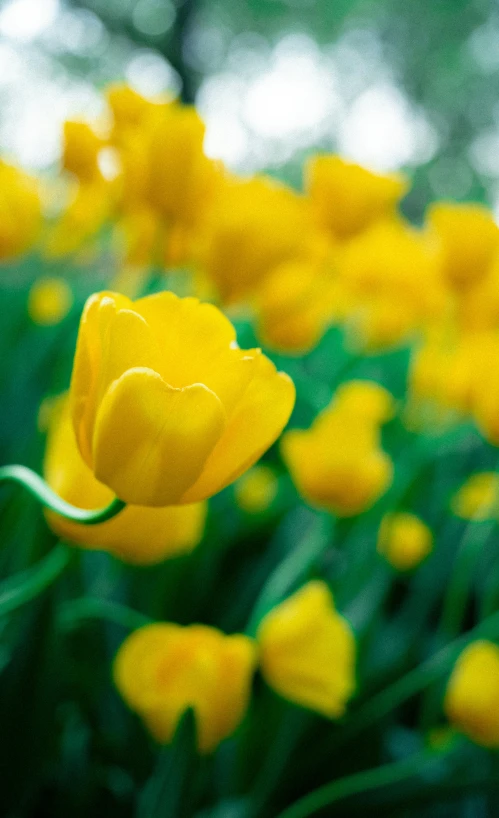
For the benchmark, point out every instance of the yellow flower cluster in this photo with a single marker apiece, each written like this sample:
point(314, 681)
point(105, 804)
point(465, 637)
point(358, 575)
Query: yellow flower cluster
point(338, 464)
point(20, 212)
point(305, 649)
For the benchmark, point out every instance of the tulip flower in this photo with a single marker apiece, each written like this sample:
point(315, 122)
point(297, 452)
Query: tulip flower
point(347, 198)
point(252, 226)
point(138, 534)
point(338, 463)
point(478, 498)
point(467, 238)
point(404, 540)
point(20, 211)
point(307, 651)
point(81, 148)
point(472, 696)
point(162, 670)
point(49, 301)
point(166, 408)
point(256, 490)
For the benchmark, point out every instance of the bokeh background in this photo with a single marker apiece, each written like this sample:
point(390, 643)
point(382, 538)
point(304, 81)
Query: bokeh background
point(386, 83)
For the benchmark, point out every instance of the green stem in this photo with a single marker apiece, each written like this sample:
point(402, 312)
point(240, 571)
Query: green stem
point(289, 571)
point(85, 608)
point(22, 588)
point(39, 489)
point(416, 680)
point(394, 773)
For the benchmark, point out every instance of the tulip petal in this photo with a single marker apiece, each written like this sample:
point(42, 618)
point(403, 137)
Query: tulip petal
point(256, 423)
point(151, 441)
point(97, 314)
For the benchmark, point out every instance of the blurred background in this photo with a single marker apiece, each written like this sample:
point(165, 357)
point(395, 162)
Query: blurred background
point(389, 84)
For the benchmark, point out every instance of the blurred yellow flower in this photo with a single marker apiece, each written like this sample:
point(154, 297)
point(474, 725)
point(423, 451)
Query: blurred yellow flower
point(49, 300)
point(338, 463)
point(166, 408)
point(307, 651)
point(20, 211)
point(467, 238)
point(256, 490)
point(347, 198)
point(366, 400)
point(295, 304)
point(472, 697)
point(162, 670)
point(391, 277)
point(252, 226)
point(81, 148)
point(90, 206)
point(478, 498)
point(138, 534)
point(404, 540)
point(164, 167)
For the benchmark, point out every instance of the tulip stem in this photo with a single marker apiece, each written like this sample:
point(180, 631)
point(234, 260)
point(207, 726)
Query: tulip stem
point(396, 772)
point(39, 489)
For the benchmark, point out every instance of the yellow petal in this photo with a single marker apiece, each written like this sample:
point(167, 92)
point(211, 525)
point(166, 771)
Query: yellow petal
point(151, 441)
point(256, 423)
point(97, 314)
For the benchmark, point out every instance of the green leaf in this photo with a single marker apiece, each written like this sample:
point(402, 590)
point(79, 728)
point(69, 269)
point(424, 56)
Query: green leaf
point(167, 793)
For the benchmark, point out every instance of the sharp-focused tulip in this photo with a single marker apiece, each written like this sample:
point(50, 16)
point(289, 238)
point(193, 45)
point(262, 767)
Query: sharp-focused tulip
point(347, 198)
point(472, 697)
point(338, 463)
point(138, 534)
point(162, 670)
point(166, 408)
point(307, 651)
point(404, 540)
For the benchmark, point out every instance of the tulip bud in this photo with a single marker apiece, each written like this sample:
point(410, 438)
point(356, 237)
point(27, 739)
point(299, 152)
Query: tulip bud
point(307, 651)
point(472, 697)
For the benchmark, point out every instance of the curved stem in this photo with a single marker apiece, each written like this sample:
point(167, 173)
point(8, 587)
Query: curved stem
point(393, 773)
point(88, 608)
point(22, 588)
point(39, 489)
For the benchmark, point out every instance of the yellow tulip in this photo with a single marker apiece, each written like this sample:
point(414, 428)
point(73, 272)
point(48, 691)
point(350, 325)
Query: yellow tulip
point(307, 651)
point(88, 210)
point(404, 540)
point(390, 274)
point(366, 400)
point(338, 463)
point(467, 238)
point(49, 300)
point(478, 498)
point(472, 696)
point(347, 198)
point(295, 304)
point(162, 670)
point(252, 226)
point(166, 408)
point(257, 489)
point(138, 534)
point(81, 148)
point(20, 212)
point(130, 111)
